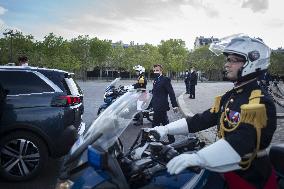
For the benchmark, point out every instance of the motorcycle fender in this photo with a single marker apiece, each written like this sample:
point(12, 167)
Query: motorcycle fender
point(90, 179)
point(185, 180)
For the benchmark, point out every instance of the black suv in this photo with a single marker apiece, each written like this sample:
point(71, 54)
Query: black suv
point(41, 117)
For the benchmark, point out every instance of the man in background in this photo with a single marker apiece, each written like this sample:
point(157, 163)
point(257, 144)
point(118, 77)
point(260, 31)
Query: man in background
point(192, 83)
point(141, 84)
point(23, 60)
point(186, 81)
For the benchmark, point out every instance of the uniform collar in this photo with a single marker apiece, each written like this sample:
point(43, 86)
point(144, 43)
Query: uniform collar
point(240, 87)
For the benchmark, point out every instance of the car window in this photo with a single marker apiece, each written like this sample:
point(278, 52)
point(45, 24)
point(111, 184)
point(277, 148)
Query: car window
point(72, 86)
point(22, 82)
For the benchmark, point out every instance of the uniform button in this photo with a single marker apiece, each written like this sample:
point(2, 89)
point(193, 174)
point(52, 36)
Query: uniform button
point(231, 100)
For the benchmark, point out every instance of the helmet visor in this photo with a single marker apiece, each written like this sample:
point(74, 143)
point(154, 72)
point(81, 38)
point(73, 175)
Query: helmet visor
point(218, 47)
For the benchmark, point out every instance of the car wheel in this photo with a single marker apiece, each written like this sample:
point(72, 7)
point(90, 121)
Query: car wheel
point(22, 155)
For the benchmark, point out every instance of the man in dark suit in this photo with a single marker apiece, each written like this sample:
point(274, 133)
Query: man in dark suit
point(186, 81)
point(162, 88)
point(192, 83)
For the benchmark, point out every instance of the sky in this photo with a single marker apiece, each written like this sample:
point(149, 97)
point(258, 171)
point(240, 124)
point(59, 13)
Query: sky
point(146, 21)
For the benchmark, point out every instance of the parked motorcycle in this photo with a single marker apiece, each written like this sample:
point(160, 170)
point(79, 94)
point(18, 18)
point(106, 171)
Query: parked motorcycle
point(98, 159)
point(113, 91)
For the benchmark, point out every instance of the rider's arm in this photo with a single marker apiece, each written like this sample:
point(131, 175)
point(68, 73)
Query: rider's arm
point(202, 121)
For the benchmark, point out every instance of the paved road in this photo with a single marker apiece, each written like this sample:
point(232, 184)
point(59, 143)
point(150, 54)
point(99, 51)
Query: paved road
point(93, 98)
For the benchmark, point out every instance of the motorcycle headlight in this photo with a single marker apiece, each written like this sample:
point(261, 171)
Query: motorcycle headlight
point(67, 184)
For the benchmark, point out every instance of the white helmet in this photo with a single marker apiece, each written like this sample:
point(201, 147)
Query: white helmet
point(253, 50)
point(139, 69)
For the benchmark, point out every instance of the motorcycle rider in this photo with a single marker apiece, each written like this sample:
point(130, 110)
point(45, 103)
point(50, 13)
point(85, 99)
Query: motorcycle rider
point(141, 80)
point(245, 117)
point(141, 84)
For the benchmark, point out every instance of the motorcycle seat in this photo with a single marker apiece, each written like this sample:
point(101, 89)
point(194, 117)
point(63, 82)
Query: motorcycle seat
point(276, 155)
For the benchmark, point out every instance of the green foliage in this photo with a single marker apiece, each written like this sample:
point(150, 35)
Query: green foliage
point(84, 53)
point(174, 54)
point(276, 64)
point(205, 61)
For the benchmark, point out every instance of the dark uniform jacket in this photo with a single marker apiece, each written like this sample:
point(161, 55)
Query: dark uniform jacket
point(240, 130)
point(162, 88)
point(141, 82)
point(193, 78)
point(187, 78)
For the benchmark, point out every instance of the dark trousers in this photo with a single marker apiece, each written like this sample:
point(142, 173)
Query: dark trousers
point(187, 87)
point(161, 117)
point(192, 91)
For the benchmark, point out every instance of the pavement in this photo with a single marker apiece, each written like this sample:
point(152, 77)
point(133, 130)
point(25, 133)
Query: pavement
point(204, 99)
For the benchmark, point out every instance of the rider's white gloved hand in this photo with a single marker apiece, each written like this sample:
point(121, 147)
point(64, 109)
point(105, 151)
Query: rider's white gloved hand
point(178, 127)
point(161, 130)
point(208, 157)
point(181, 162)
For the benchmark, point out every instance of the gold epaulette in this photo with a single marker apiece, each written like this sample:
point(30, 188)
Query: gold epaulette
point(254, 114)
point(216, 107)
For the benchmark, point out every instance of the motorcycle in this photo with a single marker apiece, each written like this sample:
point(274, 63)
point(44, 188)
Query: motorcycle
point(98, 159)
point(112, 92)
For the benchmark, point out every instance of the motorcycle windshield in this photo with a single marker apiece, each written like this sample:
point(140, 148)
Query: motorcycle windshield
point(113, 83)
point(115, 119)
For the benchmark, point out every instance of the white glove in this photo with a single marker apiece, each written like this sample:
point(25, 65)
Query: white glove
point(161, 130)
point(178, 127)
point(175, 109)
point(181, 162)
point(209, 158)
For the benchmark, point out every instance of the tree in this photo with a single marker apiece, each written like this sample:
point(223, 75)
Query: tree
point(205, 61)
point(174, 54)
point(276, 63)
point(149, 55)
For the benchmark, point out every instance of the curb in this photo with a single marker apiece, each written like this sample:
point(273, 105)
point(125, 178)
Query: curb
point(181, 104)
point(208, 135)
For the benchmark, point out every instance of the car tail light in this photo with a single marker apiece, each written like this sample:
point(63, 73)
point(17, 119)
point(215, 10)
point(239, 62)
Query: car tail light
point(66, 101)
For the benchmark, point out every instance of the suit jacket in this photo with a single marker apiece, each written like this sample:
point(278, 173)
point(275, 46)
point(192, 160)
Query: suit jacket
point(193, 78)
point(187, 78)
point(162, 88)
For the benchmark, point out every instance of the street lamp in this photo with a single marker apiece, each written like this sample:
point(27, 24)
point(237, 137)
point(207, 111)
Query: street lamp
point(11, 33)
